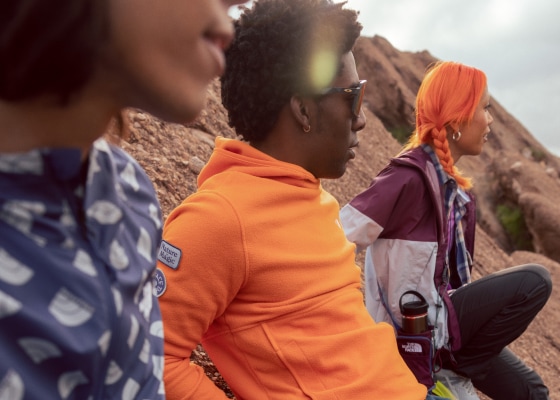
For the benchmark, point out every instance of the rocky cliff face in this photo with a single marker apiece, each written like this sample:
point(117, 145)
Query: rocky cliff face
point(516, 179)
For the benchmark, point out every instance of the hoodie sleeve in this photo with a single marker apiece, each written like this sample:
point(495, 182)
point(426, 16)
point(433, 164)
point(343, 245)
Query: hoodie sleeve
point(199, 284)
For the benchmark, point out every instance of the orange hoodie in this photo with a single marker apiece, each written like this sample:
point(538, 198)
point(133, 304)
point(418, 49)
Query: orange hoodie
point(256, 266)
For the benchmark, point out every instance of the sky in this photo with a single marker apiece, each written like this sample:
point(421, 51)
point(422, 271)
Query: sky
point(515, 42)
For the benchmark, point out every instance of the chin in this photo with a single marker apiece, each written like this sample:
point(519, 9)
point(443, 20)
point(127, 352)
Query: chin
point(179, 112)
point(338, 174)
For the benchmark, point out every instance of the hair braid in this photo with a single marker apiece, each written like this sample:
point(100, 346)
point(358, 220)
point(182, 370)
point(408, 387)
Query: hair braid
point(441, 148)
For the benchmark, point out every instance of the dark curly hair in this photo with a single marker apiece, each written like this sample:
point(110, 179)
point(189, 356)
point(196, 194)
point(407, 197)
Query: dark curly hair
point(270, 58)
point(49, 47)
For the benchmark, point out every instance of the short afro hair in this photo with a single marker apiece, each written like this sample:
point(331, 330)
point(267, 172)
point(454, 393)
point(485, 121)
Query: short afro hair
point(271, 58)
point(49, 47)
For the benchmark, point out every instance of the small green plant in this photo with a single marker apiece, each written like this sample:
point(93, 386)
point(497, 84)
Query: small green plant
point(401, 133)
point(538, 155)
point(513, 222)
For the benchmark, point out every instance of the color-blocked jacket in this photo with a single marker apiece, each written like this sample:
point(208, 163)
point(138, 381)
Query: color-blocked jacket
point(400, 222)
point(257, 267)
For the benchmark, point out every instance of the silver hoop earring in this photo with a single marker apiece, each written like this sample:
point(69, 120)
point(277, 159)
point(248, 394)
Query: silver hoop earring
point(456, 136)
point(307, 128)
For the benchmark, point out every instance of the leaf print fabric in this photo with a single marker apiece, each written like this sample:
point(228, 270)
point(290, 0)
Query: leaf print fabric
point(78, 318)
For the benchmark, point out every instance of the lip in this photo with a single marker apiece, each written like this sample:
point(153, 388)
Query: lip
point(217, 54)
point(217, 41)
point(351, 150)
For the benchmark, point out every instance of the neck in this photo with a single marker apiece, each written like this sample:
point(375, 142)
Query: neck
point(284, 141)
point(44, 122)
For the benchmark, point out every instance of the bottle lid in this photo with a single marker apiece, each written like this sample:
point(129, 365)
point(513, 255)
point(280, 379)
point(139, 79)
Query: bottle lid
point(416, 307)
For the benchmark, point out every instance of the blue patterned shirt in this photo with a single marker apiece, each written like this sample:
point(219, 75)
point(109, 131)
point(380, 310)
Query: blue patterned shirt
point(78, 319)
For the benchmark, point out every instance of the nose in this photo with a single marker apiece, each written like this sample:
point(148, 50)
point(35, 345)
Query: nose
point(359, 122)
point(490, 118)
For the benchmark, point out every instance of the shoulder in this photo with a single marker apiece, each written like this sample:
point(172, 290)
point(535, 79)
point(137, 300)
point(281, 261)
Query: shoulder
point(406, 172)
point(111, 155)
point(206, 216)
point(110, 165)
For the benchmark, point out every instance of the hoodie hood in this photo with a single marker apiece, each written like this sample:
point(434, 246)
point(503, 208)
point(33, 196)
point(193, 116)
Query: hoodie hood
point(231, 155)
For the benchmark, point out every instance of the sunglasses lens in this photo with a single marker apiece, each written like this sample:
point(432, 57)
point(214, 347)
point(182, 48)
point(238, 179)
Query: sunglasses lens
point(357, 104)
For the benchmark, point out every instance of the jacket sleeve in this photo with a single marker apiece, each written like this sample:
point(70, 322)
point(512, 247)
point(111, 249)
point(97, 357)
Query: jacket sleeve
point(396, 205)
point(200, 283)
point(367, 214)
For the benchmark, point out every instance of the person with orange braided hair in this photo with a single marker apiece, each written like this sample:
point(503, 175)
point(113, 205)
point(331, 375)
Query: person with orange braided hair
point(417, 223)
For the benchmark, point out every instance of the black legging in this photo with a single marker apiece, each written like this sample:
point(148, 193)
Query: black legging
point(494, 311)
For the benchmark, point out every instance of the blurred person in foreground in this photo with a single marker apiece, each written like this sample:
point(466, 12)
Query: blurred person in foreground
point(255, 264)
point(79, 219)
point(417, 221)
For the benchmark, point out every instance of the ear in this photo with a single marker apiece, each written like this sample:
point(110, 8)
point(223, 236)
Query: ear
point(300, 110)
point(453, 127)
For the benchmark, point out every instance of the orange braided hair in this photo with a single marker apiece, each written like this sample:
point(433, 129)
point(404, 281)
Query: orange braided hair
point(448, 94)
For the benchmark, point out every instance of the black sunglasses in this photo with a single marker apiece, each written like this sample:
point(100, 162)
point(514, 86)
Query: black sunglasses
point(357, 92)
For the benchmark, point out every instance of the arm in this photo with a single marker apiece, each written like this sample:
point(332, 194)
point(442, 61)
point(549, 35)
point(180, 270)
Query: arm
point(359, 228)
point(210, 271)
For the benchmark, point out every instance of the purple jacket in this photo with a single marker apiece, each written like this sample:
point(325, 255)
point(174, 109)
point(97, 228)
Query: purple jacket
point(400, 222)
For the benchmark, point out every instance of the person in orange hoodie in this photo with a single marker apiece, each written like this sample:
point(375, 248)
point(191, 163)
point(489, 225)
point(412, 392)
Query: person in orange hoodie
point(255, 265)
